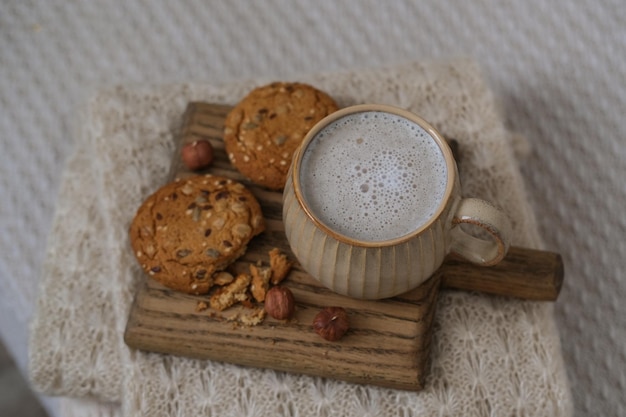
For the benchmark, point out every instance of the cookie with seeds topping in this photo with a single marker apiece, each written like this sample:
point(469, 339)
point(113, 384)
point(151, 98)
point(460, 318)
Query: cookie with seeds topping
point(262, 132)
point(191, 228)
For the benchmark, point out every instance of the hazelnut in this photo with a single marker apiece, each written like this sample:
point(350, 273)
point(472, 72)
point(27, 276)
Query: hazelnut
point(197, 155)
point(279, 303)
point(331, 323)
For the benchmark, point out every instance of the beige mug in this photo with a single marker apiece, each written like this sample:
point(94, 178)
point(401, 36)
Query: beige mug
point(373, 204)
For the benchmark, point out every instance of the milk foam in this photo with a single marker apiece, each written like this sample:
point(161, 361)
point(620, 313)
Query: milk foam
point(373, 176)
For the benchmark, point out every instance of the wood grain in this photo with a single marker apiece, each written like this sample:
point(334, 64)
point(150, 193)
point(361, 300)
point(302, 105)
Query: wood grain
point(524, 273)
point(388, 343)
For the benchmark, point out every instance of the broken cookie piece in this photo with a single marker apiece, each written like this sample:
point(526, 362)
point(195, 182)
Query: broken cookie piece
point(234, 292)
point(261, 276)
point(279, 265)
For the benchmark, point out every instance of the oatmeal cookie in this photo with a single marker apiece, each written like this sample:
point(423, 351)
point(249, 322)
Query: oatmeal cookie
point(189, 229)
point(262, 132)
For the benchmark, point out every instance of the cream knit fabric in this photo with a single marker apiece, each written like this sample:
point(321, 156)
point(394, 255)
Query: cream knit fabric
point(490, 356)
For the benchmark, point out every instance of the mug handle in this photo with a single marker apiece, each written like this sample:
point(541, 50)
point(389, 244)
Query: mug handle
point(492, 220)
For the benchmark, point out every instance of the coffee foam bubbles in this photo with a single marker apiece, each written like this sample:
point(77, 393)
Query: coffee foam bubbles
point(373, 176)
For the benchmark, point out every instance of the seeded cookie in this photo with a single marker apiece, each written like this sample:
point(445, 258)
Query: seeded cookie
point(189, 229)
point(262, 132)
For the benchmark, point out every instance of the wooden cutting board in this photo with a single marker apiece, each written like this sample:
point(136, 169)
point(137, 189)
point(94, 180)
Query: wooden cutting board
point(388, 343)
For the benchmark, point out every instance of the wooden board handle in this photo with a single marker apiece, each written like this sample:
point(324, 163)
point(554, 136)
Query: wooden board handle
point(524, 273)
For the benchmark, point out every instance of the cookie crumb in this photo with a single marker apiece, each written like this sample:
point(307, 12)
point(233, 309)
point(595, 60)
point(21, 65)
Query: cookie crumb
point(223, 278)
point(260, 281)
point(248, 317)
point(280, 265)
point(254, 317)
point(201, 306)
point(231, 294)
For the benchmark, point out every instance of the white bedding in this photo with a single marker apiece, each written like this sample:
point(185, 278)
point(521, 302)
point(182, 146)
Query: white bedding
point(557, 69)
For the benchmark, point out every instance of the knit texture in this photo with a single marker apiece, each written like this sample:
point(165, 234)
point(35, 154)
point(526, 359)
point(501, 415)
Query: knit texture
point(490, 356)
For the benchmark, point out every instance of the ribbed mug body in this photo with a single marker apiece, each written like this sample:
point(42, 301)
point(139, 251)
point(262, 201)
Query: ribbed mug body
point(362, 267)
point(366, 271)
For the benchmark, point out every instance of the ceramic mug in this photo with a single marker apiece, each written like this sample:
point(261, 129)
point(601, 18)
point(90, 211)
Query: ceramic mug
point(373, 204)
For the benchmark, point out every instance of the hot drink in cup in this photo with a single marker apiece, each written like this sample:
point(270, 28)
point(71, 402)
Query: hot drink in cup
point(372, 204)
point(373, 176)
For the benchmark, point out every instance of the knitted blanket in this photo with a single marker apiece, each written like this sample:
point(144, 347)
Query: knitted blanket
point(490, 355)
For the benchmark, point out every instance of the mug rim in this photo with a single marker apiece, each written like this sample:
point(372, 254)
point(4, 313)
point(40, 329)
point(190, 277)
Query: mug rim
point(362, 108)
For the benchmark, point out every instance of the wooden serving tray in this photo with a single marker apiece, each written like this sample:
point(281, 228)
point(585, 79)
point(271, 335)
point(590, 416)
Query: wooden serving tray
point(388, 343)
